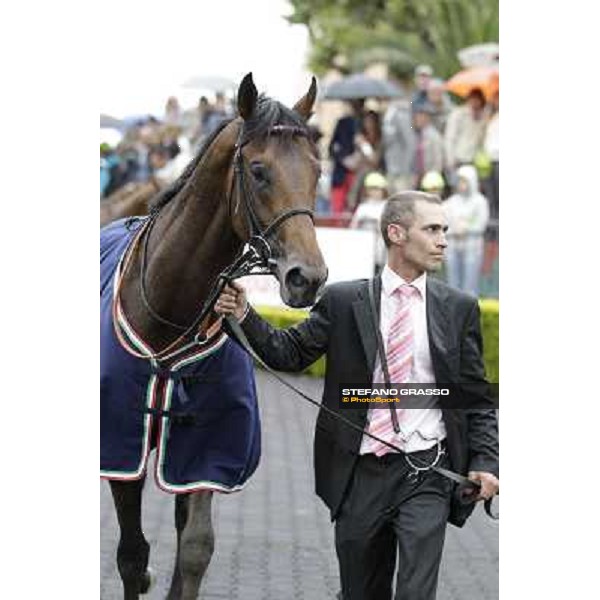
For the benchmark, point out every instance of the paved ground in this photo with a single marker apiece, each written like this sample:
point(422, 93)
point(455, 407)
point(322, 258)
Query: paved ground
point(274, 539)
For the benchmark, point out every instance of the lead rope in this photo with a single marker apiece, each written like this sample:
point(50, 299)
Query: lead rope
point(461, 480)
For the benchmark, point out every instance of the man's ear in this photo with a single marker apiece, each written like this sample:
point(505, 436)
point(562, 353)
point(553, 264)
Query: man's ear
point(396, 233)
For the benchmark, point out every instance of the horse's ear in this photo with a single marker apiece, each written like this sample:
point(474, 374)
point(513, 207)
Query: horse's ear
point(246, 97)
point(304, 106)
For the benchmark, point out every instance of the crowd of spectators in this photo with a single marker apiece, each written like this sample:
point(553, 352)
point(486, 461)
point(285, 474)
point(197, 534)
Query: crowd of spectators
point(427, 142)
point(161, 148)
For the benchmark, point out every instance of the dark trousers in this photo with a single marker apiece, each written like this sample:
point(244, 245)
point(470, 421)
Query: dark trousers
point(387, 518)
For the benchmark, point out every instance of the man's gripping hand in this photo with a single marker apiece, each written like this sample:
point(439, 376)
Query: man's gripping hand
point(489, 484)
point(232, 301)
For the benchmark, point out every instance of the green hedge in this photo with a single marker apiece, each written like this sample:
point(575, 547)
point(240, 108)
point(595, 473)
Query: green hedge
point(286, 317)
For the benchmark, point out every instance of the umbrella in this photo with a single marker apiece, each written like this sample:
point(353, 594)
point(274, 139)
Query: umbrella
point(110, 136)
point(210, 83)
point(110, 122)
point(479, 55)
point(358, 86)
point(485, 78)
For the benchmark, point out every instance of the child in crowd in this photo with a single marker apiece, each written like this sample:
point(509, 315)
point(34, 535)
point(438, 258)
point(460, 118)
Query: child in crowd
point(433, 182)
point(468, 215)
point(368, 213)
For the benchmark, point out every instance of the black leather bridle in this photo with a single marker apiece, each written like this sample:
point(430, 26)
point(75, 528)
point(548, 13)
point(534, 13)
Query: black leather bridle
point(256, 260)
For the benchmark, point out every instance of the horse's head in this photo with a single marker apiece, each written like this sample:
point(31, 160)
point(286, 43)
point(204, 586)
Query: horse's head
point(276, 169)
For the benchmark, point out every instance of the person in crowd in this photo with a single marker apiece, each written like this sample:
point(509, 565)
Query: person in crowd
point(172, 112)
point(367, 157)
point(441, 103)
point(433, 183)
point(491, 147)
point(386, 520)
point(169, 139)
point(423, 75)
point(322, 200)
point(465, 131)
point(468, 214)
point(342, 152)
point(220, 111)
point(123, 168)
point(398, 144)
point(429, 145)
point(368, 213)
point(108, 160)
point(202, 116)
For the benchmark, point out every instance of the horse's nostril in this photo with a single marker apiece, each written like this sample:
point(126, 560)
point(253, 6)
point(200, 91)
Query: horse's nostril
point(294, 278)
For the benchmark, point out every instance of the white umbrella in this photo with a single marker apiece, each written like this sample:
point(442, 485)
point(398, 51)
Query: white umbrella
point(480, 55)
point(210, 83)
point(110, 136)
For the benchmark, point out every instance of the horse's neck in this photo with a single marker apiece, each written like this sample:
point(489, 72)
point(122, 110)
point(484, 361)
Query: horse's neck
point(191, 242)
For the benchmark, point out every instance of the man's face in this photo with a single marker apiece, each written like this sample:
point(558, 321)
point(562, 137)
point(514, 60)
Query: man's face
point(422, 81)
point(476, 103)
point(423, 244)
point(421, 120)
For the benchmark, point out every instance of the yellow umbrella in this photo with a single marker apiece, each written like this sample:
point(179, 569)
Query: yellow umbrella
point(486, 78)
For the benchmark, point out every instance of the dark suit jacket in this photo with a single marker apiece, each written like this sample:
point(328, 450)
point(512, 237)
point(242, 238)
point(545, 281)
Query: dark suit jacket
point(340, 325)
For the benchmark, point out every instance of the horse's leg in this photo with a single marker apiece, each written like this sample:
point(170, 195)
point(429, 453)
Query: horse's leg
point(197, 544)
point(133, 550)
point(181, 513)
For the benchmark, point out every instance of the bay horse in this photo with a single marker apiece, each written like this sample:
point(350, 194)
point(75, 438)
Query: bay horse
point(254, 179)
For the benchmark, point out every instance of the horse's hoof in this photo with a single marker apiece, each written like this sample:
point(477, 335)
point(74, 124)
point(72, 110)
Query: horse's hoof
point(147, 581)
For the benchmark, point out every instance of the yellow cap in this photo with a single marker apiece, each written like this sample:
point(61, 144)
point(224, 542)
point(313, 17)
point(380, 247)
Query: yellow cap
point(432, 180)
point(375, 180)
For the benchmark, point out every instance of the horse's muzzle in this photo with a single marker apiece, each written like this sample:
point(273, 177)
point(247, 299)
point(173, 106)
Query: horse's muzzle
point(301, 284)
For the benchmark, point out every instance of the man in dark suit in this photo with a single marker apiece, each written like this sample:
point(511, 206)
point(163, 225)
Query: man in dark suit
point(431, 334)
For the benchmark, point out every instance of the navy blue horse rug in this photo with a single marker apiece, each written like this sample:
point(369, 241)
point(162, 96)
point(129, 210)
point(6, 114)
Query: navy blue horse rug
point(208, 434)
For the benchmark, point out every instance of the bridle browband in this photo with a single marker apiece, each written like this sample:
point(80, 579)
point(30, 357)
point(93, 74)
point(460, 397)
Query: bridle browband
point(256, 260)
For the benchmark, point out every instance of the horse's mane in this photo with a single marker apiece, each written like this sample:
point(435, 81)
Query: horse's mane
point(174, 188)
point(267, 114)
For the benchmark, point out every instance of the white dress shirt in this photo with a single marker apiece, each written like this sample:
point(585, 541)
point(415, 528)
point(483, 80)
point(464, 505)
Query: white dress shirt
point(419, 428)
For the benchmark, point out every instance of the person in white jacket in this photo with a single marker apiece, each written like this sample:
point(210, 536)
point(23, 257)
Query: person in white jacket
point(468, 214)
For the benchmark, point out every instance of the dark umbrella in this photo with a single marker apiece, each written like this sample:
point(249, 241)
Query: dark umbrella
point(361, 86)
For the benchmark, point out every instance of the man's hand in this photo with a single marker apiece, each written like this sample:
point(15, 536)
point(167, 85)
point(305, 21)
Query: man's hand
point(489, 484)
point(232, 301)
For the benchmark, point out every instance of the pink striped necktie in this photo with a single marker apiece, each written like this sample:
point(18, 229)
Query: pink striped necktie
point(399, 355)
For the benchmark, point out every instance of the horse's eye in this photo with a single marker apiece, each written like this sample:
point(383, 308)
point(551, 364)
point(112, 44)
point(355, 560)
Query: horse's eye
point(260, 173)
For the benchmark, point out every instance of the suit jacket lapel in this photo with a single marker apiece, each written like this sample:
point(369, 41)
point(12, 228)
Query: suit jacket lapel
point(437, 328)
point(364, 321)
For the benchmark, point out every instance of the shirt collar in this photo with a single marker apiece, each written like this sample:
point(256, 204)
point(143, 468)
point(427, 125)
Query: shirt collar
point(391, 281)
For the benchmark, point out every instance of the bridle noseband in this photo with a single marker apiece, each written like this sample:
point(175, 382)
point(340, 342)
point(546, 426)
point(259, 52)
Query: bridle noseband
point(256, 260)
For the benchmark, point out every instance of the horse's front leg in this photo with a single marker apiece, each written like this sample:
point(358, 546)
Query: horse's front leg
point(181, 514)
point(133, 550)
point(197, 544)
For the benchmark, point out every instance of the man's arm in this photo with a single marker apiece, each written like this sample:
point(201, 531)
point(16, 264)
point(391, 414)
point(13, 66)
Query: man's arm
point(482, 422)
point(291, 349)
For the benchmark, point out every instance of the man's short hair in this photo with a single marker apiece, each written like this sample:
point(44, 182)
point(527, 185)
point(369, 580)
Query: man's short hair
point(400, 208)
